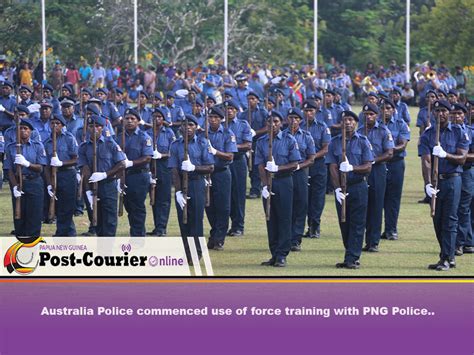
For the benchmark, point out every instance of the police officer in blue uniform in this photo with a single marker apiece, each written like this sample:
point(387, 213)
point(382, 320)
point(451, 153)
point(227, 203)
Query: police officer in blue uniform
point(285, 158)
point(177, 115)
point(401, 108)
point(73, 121)
point(357, 166)
point(258, 128)
point(7, 106)
point(110, 162)
point(307, 150)
point(318, 170)
point(23, 114)
point(144, 111)
point(65, 162)
point(381, 141)
point(25, 95)
point(422, 120)
point(139, 150)
point(451, 151)
point(373, 99)
point(48, 94)
point(322, 113)
point(41, 123)
point(395, 168)
point(121, 104)
point(32, 159)
point(161, 153)
point(158, 103)
point(108, 108)
point(335, 111)
point(80, 106)
point(222, 145)
point(199, 163)
point(238, 168)
point(241, 91)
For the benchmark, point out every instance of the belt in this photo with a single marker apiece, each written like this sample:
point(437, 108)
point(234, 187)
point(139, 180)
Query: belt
point(465, 168)
point(381, 163)
point(65, 168)
point(282, 175)
point(356, 181)
point(395, 159)
point(238, 156)
point(221, 169)
point(137, 171)
point(195, 177)
point(30, 177)
point(448, 176)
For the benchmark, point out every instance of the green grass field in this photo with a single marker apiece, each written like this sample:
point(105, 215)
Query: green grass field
point(409, 256)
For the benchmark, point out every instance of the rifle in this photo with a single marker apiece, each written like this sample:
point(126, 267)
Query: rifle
point(185, 173)
point(250, 163)
point(95, 186)
point(122, 177)
point(54, 182)
point(84, 137)
point(208, 176)
point(344, 175)
point(269, 174)
point(19, 174)
point(434, 175)
point(153, 163)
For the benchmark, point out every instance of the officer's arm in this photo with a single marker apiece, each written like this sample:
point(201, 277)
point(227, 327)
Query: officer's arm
point(400, 147)
point(363, 169)
point(37, 168)
point(261, 131)
point(309, 161)
point(322, 152)
point(287, 167)
point(470, 156)
point(426, 168)
point(386, 156)
point(117, 122)
point(245, 146)
point(263, 174)
point(459, 158)
point(116, 169)
point(142, 160)
point(334, 171)
point(224, 155)
point(12, 178)
point(47, 174)
point(10, 114)
point(70, 162)
point(204, 169)
point(176, 179)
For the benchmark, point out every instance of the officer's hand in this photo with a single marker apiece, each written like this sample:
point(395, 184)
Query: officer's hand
point(128, 163)
point(266, 193)
point(345, 166)
point(120, 189)
point(186, 165)
point(78, 178)
point(271, 166)
point(208, 182)
point(90, 196)
point(253, 132)
point(180, 199)
point(152, 181)
point(430, 190)
point(96, 177)
point(439, 151)
point(340, 196)
point(51, 192)
point(212, 150)
point(20, 160)
point(142, 122)
point(56, 162)
point(17, 193)
point(156, 155)
point(298, 167)
point(2, 108)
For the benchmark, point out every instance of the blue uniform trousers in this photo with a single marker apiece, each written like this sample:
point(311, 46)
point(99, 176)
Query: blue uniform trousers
point(353, 229)
point(317, 192)
point(255, 183)
point(238, 170)
point(31, 208)
point(161, 209)
point(66, 192)
point(138, 184)
point(219, 207)
point(195, 205)
point(445, 219)
point(300, 205)
point(107, 208)
point(393, 194)
point(279, 225)
point(377, 183)
point(464, 236)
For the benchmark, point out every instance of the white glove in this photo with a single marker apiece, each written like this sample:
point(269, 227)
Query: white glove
point(142, 122)
point(186, 165)
point(34, 107)
point(271, 166)
point(51, 192)
point(212, 150)
point(439, 151)
point(96, 177)
point(340, 196)
point(152, 181)
point(297, 167)
point(253, 132)
point(20, 160)
point(128, 163)
point(119, 187)
point(180, 199)
point(430, 190)
point(17, 193)
point(78, 178)
point(2, 109)
point(56, 162)
point(89, 196)
point(345, 166)
point(207, 182)
point(266, 193)
point(156, 155)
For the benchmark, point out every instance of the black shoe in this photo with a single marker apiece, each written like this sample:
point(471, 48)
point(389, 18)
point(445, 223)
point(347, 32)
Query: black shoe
point(210, 245)
point(444, 266)
point(154, 233)
point(459, 251)
point(269, 262)
point(452, 264)
point(280, 263)
point(218, 247)
point(468, 250)
point(366, 248)
point(314, 232)
point(352, 266)
point(296, 247)
point(50, 221)
point(392, 236)
point(88, 234)
point(252, 196)
point(341, 265)
point(229, 232)
point(12, 232)
point(434, 266)
point(426, 200)
point(78, 213)
point(383, 236)
point(374, 249)
point(236, 234)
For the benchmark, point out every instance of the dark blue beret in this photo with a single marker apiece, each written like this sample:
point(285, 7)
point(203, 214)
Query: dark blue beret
point(441, 91)
point(431, 92)
point(97, 119)
point(102, 90)
point(315, 95)
point(23, 108)
point(216, 111)
point(228, 92)
point(387, 101)
point(453, 92)
point(87, 91)
point(118, 91)
point(68, 87)
point(93, 108)
point(60, 118)
point(212, 98)
point(26, 123)
point(278, 91)
point(329, 91)
point(272, 100)
point(133, 112)
point(232, 103)
point(170, 94)
point(144, 93)
point(158, 96)
point(7, 83)
point(442, 104)
point(459, 106)
point(397, 90)
point(48, 87)
point(371, 107)
point(350, 114)
point(25, 87)
point(199, 102)
point(160, 110)
point(372, 93)
point(309, 104)
point(275, 113)
point(254, 94)
point(46, 103)
point(295, 111)
point(192, 118)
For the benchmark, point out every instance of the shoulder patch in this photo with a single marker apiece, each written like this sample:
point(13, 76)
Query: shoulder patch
point(43, 152)
point(232, 138)
point(107, 133)
point(148, 142)
point(328, 131)
point(466, 136)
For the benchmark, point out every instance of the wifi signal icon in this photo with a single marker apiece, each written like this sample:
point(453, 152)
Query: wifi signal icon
point(126, 247)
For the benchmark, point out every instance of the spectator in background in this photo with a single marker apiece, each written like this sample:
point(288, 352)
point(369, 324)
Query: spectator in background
point(98, 75)
point(461, 81)
point(56, 76)
point(150, 79)
point(85, 73)
point(26, 76)
point(111, 76)
point(72, 77)
point(408, 95)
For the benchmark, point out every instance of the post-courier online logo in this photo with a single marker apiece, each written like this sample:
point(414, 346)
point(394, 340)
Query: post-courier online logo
point(21, 257)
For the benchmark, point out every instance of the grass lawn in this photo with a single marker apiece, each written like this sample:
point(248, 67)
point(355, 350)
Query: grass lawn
point(409, 256)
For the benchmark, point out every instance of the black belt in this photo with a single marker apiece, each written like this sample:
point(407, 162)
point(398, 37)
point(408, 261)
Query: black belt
point(465, 168)
point(221, 169)
point(395, 159)
point(238, 156)
point(282, 175)
point(448, 176)
point(30, 177)
point(137, 171)
point(65, 168)
point(195, 177)
point(381, 163)
point(356, 181)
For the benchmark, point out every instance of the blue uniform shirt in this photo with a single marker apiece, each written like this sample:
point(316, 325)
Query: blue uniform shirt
point(380, 138)
point(33, 151)
point(402, 111)
point(422, 118)
point(325, 116)
point(259, 117)
point(223, 140)
point(358, 151)
point(122, 106)
point(107, 132)
point(108, 154)
point(110, 111)
point(216, 80)
point(320, 133)
point(198, 152)
point(451, 138)
point(42, 127)
point(9, 103)
point(400, 131)
point(305, 143)
point(241, 130)
point(284, 149)
point(176, 113)
point(146, 115)
point(2, 143)
point(240, 95)
point(66, 146)
point(10, 135)
point(138, 144)
point(336, 111)
point(164, 139)
point(74, 123)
